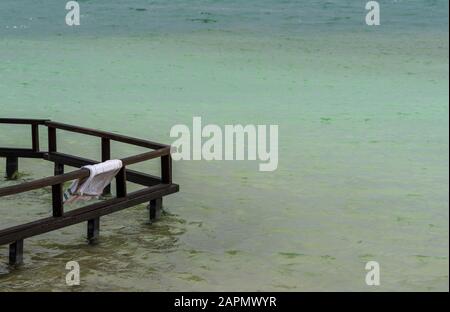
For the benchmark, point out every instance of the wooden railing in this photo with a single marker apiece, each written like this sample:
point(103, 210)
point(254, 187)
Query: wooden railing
point(155, 186)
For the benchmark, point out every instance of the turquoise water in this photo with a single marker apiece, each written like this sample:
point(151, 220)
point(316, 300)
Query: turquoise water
point(363, 144)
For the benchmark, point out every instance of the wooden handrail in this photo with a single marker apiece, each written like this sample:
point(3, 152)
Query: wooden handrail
point(145, 156)
point(44, 182)
point(160, 150)
point(78, 174)
point(22, 121)
point(106, 135)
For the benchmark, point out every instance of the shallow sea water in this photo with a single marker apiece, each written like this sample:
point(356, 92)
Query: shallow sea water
point(363, 145)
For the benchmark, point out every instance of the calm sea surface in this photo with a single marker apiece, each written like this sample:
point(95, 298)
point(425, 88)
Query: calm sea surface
point(363, 141)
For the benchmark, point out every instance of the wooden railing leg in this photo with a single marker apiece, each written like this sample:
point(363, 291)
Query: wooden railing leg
point(16, 253)
point(155, 209)
point(59, 169)
point(93, 230)
point(106, 155)
point(12, 167)
point(166, 169)
point(52, 144)
point(121, 183)
point(57, 200)
point(35, 137)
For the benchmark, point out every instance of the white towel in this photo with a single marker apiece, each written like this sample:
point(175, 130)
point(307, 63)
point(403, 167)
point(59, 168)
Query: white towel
point(100, 176)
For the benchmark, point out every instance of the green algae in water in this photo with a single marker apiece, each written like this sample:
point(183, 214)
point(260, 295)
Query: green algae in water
point(291, 255)
point(203, 20)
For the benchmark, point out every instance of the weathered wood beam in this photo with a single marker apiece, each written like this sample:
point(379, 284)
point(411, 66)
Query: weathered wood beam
point(40, 183)
point(106, 135)
point(23, 121)
point(20, 152)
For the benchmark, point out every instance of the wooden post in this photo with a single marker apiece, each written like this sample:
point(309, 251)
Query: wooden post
point(12, 167)
point(106, 155)
point(51, 139)
point(57, 190)
point(59, 169)
point(16, 253)
point(93, 230)
point(35, 137)
point(166, 169)
point(121, 183)
point(155, 209)
point(57, 200)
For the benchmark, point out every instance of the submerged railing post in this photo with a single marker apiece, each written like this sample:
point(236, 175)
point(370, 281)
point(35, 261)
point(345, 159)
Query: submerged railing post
point(155, 209)
point(155, 206)
point(93, 225)
point(93, 230)
point(16, 253)
point(12, 167)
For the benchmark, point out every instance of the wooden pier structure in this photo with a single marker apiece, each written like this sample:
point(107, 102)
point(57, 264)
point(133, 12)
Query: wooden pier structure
point(155, 187)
